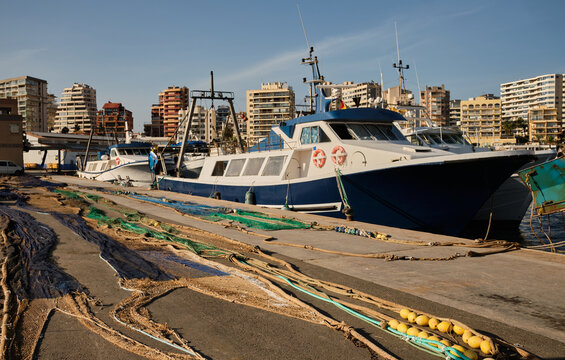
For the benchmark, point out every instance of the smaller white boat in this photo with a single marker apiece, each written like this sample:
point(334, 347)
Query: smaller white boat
point(127, 162)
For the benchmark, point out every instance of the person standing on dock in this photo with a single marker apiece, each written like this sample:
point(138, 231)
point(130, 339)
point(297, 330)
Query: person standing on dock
point(153, 160)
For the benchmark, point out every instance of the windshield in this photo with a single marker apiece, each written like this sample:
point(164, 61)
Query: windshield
point(361, 131)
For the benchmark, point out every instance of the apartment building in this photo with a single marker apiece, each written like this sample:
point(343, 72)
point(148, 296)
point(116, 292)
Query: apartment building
point(155, 127)
point(201, 127)
point(172, 100)
point(481, 120)
point(454, 112)
point(521, 95)
point(112, 119)
point(360, 95)
point(77, 109)
point(266, 107)
point(544, 124)
point(398, 96)
point(51, 111)
point(436, 101)
point(33, 100)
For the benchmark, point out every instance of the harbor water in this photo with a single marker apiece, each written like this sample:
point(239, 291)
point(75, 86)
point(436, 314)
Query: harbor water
point(535, 231)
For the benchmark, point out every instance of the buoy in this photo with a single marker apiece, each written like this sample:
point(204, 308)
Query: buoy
point(424, 335)
point(485, 347)
point(250, 197)
point(422, 320)
point(475, 342)
point(433, 323)
point(471, 354)
point(445, 327)
point(404, 313)
point(458, 330)
point(402, 327)
point(466, 335)
point(445, 342)
point(434, 338)
point(393, 323)
point(413, 331)
point(412, 317)
point(459, 348)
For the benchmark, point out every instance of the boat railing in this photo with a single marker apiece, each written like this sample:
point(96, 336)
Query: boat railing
point(270, 143)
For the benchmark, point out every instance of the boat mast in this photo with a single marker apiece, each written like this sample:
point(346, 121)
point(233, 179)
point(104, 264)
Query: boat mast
point(210, 95)
point(313, 62)
point(398, 65)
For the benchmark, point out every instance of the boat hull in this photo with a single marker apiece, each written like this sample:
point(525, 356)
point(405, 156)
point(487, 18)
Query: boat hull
point(439, 197)
point(136, 172)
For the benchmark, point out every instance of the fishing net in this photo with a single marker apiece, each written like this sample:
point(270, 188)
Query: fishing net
point(252, 219)
point(196, 247)
point(259, 220)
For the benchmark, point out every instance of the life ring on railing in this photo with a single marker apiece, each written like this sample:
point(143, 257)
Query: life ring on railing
point(117, 161)
point(319, 158)
point(339, 158)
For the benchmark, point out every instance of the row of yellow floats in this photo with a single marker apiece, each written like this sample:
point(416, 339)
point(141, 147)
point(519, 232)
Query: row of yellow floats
point(473, 340)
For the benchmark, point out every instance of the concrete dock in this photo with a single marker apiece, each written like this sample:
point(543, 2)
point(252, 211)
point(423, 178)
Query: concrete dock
point(516, 295)
point(524, 289)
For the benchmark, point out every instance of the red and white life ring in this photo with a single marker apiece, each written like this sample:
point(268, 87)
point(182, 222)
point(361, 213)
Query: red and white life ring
point(319, 158)
point(117, 161)
point(339, 155)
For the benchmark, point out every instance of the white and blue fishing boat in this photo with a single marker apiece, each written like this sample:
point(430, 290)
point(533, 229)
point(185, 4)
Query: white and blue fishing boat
point(354, 163)
point(127, 162)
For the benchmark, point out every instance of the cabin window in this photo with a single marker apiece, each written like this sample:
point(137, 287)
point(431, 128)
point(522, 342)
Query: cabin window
point(114, 153)
point(234, 169)
point(342, 131)
point(3, 163)
point(274, 166)
point(253, 166)
point(313, 135)
point(387, 130)
point(427, 139)
point(376, 132)
point(450, 139)
point(361, 132)
point(436, 138)
point(219, 168)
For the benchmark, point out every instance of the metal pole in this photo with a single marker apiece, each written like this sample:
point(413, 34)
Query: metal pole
point(185, 137)
point(87, 149)
point(239, 142)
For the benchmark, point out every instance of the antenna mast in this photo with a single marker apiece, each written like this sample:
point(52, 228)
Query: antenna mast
point(398, 65)
point(313, 62)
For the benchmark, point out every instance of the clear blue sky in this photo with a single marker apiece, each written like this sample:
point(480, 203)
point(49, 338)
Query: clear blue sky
point(129, 51)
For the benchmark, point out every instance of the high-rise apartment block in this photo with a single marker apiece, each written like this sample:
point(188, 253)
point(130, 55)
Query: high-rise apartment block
point(112, 119)
point(202, 127)
point(398, 96)
point(454, 112)
point(360, 95)
point(155, 128)
point(77, 109)
point(544, 124)
point(436, 101)
point(481, 120)
point(266, 107)
point(172, 100)
point(521, 95)
point(33, 100)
